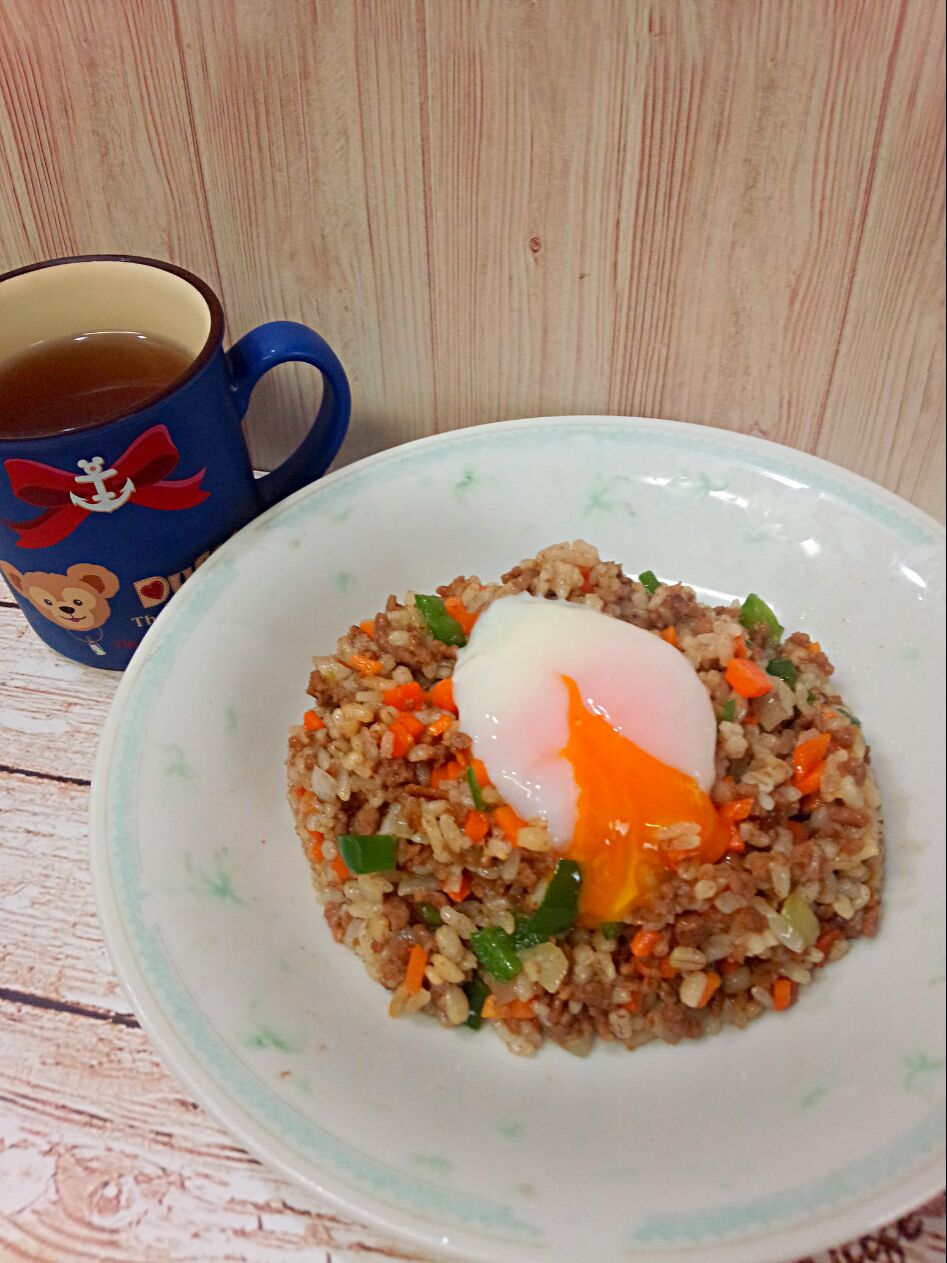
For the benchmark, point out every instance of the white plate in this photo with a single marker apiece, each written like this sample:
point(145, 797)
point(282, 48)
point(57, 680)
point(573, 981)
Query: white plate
point(807, 1129)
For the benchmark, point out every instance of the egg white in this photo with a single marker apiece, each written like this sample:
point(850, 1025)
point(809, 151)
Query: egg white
point(513, 703)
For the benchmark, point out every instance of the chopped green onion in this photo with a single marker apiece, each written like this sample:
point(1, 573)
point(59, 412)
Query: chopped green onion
point(754, 612)
point(439, 623)
point(369, 852)
point(476, 991)
point(648, 579)
point(811, 698)
point(727, 713)
point(524, 936)
point(799, 914)
point(475, 793)
point(558, 910)
point(783, 669)
point(611, 929)
point(494, 949)
point(852, 719)
point(429, 915)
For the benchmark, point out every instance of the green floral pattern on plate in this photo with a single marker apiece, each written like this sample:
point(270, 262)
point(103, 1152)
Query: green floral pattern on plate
point(216, 1062)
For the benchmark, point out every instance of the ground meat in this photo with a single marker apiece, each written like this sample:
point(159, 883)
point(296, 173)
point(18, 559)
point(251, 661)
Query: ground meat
point(817, 659)
point(595, 993)
point(519, 579)
point(328, 693)
point(671, 1022)
point(854, 817)
point(396, 912)
point(417, 653)
point(677, 603)
point(748, 920)
point(393, 960)
point(365, 819)
point(338, 920)
point(689, 929)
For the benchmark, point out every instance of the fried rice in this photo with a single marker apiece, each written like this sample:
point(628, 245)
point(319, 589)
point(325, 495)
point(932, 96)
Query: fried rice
point(711, 944)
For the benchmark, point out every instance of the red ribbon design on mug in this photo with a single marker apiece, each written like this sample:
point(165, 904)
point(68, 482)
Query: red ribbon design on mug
point(139, 476)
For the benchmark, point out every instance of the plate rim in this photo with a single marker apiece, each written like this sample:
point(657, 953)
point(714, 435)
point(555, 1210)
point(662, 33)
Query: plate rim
point(903, 1194)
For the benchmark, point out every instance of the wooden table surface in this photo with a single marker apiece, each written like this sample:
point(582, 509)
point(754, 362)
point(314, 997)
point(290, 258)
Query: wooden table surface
point(103, 1157)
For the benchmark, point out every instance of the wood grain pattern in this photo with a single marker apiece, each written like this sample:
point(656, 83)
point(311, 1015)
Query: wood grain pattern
point(117, 1166)
point(700, 209)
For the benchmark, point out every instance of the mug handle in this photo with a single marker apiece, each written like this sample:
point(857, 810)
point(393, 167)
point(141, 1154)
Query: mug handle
point(281, 342)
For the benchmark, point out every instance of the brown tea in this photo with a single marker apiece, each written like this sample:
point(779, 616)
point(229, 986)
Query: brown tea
point(72, 383)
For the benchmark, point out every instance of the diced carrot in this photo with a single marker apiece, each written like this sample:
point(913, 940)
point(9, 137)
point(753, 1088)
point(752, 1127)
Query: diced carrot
point(477, 825)
point(517, 1011)
point(368, 627)
point(440, 725)
point(666, 969)
point(633, 1004)
point(408, 696)
point(508, 822)
point(490, 1010)
point(300, 791)
point(739, 647)
point(729, 814)
point(808, 761)
point(317, 841)
point(813, 648)
point(810, 783)
point(404, 733)
point(414, 974)
point(462, 891)
point(481, 775)
point(827, 940)
point(738, 809)
point(411, 725)
point(442, 695)
point(511, 1011)
point(710, 986)
point(587, 584)
point(446, 772)
point(644, 941)
point(340, 868)
point(797, 828)
point(312, 722)
point(828, 713)
point(746, 678)
point(782, 994)
point(455, 607)
point(670, 635)
point(809, 753)
point(364, 665)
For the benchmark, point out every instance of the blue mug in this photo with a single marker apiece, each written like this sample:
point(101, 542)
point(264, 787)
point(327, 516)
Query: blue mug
point(100, 526)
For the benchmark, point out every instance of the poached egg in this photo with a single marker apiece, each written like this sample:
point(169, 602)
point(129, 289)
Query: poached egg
point(601, 729)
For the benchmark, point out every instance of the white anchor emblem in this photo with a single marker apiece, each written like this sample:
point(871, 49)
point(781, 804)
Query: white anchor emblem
point(103, 501)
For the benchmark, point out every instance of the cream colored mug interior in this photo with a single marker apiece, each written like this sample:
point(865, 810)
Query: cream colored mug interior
point(98, 295)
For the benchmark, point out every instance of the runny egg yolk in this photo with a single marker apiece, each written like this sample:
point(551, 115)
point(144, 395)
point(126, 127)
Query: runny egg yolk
point(624, 797)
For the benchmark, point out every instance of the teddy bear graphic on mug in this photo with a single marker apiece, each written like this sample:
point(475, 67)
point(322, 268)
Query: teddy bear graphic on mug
point(77, 601)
